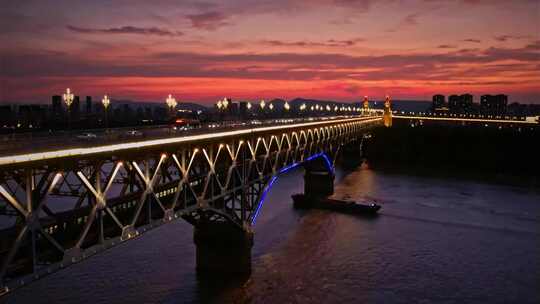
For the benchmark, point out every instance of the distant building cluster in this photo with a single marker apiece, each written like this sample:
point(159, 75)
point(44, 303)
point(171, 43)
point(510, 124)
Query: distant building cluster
point(489, 105)
point(90, 114)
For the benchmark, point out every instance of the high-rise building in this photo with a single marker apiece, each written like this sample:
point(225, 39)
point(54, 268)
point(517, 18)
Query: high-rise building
point(465, 104)
point(243, 108)
point(494, 104)
point(453, 102)
point(88, 108)
point(233, 108)
point(460, 103)
point(75, 108)
point(6, 116)
point(439, 101)
point(56, 106)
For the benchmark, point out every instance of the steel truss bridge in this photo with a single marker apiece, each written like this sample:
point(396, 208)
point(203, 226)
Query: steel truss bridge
point(61, 207)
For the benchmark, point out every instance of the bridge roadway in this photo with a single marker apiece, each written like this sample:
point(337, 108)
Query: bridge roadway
point(59, 207)
point(11, 144)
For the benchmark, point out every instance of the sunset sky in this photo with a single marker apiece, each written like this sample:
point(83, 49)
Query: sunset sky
point(326, 49)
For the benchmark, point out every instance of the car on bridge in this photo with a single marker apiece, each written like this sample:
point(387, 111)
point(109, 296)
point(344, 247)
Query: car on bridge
point(87, 136)
point(134, 133)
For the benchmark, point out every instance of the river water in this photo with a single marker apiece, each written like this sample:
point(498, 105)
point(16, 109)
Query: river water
point(436, 240)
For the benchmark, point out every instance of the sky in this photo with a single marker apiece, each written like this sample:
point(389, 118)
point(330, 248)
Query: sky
point(203, 51)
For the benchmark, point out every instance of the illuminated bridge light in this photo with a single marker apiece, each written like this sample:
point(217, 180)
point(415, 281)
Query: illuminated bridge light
point(463, 119)
point(286, 169)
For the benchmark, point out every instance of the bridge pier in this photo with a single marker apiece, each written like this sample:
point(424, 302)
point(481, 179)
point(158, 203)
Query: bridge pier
point(222, 249)
point(318, 179)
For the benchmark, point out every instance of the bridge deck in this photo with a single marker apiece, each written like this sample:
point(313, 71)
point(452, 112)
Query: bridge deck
point(17, 158)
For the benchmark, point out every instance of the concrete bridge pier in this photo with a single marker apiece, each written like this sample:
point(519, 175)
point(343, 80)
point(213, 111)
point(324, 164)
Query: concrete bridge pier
point(318, 179)
point(222, 249)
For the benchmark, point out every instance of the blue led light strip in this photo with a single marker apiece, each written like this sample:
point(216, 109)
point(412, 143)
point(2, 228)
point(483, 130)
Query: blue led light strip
point(286, 169)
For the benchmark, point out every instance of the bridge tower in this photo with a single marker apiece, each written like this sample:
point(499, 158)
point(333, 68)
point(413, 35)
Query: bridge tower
point(387, 116)
point(366, 105)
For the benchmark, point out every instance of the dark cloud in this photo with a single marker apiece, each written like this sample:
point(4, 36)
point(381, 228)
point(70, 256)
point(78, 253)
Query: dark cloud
point(209, 21)
point(504, 38)
point(533, 46)
point(472, 40)
point(282, 66)
point(408, 21)
point(411, 19)
point(126, 30)
point(327, 43)
point(446, 46)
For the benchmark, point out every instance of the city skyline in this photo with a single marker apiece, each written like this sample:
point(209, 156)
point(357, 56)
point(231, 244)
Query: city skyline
point(329, 50)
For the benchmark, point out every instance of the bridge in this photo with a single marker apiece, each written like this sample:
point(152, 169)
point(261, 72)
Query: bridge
point(61, 206)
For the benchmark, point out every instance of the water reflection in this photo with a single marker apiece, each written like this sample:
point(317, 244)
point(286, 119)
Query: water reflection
point(436, 240)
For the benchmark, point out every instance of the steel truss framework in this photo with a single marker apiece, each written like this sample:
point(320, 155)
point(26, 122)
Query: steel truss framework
point(61, 211)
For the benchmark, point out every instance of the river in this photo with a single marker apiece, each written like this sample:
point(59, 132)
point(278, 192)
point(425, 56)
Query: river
point(436, 240)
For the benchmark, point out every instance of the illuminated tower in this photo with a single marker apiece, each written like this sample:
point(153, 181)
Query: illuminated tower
point(387, 116)
point(366, 105)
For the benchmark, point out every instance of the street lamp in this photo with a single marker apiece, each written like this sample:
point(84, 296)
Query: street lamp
point(271, 107)
point(225, 103)
point(106, 102)
point(171, 103)
point(262, 104)
point(68, 100)
point(286, 106)
point(248, 106)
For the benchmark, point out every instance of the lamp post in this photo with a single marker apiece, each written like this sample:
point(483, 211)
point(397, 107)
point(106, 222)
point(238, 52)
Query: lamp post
point(68, 100)
point(106, 102)
point(225, 103)
point(222, 106)
point(302, 109)
point(171, 103)
point(286, 107)
point(262, 106)
point(248, 108)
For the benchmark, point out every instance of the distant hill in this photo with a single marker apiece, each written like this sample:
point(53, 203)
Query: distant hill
point(400, 105)
point(404, 105)
point(298, 101)
point(191, 106)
